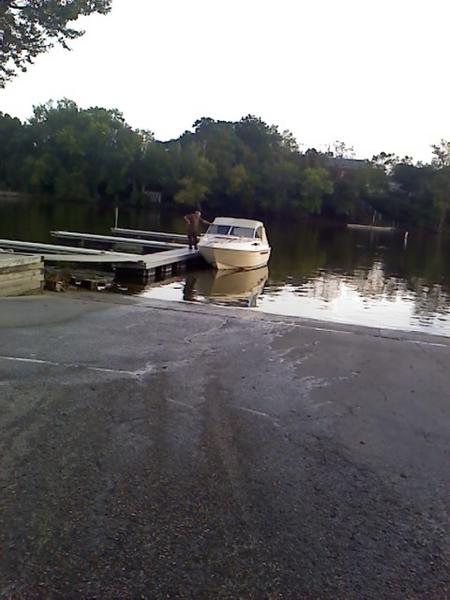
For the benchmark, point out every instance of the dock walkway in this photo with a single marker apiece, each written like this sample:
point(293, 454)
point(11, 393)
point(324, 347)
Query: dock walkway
point(170, 256)
point(139, 265)
point(115, 240)
point(156, 235)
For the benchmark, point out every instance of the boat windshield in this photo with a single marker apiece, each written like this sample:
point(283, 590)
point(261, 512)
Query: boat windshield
point(219, 229)
point(246, 232)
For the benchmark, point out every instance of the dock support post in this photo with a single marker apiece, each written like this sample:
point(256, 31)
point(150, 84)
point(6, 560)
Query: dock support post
point(116, 217)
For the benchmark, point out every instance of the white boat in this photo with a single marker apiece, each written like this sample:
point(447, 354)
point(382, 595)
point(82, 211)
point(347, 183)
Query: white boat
point(235, 244)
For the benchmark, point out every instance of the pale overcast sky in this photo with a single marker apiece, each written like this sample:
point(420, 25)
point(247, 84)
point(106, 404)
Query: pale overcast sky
point(373, 73)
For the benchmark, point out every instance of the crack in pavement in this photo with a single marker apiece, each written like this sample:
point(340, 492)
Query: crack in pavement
point(138, 373)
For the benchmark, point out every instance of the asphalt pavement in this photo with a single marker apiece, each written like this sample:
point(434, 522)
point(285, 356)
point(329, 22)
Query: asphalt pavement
point(156, 450)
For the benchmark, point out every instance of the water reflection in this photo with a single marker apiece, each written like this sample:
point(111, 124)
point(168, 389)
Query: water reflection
point(233, 288)
point(238, 287)
point(366, 298)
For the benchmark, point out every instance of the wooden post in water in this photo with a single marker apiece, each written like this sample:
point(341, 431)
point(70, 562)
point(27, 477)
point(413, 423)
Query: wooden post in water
point(116, 217)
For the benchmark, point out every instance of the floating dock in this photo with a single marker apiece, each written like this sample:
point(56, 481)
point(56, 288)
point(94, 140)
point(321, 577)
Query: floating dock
point(170, 257)
point(20, 275)
point(51, 253)
point(155, 235)
point(116, 241)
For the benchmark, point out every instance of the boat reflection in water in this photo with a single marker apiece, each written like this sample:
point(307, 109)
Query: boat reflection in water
point(235, 288)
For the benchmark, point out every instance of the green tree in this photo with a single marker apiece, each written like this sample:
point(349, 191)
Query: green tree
point(111, 147)
point(191, 192)
point(441, 154)
point(87, 152)
point(246, 166)
point(30, 27)
point(238, 180)
point(440, 189)
point(315, 183)
point(197, 173)
point(440, 182)
point(219, 144)
point(12, 147)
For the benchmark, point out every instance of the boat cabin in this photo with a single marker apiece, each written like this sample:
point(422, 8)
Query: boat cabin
point(241, 228)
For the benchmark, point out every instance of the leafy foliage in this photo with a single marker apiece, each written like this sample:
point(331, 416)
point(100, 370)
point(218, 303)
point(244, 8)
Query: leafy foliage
point(30, 27)
point(246, 166)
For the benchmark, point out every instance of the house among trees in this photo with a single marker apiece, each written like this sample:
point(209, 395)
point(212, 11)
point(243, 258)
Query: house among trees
point(341, 166)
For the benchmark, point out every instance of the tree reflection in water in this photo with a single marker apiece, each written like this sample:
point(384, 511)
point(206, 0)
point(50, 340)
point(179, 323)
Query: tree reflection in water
point(337, 273)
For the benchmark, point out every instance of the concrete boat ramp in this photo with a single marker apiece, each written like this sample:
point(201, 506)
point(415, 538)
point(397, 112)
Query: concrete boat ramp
point(134, 254)
point(150, 450)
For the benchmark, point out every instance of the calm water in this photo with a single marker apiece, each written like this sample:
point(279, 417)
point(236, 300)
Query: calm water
point(318, 271)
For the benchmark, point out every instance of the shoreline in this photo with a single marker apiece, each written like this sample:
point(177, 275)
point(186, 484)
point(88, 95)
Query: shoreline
point(185, 306)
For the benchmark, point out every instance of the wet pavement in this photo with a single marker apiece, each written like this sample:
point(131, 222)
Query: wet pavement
point(153, 450)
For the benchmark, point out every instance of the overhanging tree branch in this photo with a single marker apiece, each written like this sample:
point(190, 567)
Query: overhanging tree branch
point(31, 27)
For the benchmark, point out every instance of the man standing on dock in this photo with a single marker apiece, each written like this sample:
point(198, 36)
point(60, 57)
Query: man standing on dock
point(193, 221)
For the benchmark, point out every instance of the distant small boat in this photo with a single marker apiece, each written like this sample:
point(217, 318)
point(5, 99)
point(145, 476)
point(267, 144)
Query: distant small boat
point(235, 244)
point(369, 227)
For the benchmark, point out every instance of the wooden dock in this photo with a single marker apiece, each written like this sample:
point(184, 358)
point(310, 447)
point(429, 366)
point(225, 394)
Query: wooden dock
point(155, 235)
point(127, 265)
point(20, 275)
point(113, 240)
point(160, 263)
point(53, 250)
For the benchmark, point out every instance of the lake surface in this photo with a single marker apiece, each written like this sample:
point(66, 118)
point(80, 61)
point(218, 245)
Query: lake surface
point(316, 270)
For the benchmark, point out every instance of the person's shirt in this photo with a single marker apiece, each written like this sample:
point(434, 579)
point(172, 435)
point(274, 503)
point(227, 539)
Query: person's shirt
point(193, 222)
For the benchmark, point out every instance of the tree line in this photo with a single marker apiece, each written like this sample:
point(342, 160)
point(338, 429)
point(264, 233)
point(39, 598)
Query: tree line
point(242, 167)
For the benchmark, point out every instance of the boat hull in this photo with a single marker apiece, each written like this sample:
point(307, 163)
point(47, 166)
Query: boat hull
point(227, 258)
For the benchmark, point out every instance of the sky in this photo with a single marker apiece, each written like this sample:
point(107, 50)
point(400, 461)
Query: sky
point(372, 73)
